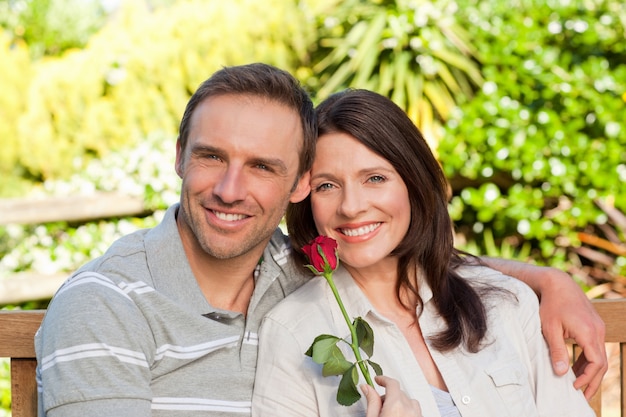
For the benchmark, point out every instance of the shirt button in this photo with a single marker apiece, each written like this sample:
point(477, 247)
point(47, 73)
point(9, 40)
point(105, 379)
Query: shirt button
point(466, 399)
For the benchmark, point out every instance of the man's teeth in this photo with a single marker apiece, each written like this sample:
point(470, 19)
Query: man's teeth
point(229, 217)
point(361, 230)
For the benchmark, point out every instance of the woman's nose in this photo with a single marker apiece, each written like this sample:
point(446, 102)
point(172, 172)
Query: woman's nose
point(353, 201)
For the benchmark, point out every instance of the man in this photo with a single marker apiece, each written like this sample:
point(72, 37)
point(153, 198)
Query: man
point(165, 322)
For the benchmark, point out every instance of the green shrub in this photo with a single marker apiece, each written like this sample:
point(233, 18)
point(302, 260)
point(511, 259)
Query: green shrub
point(546, 136)
point(51, 27)
point(136, 75)
point(416, 53)
point(5, 387)
point(15, 76)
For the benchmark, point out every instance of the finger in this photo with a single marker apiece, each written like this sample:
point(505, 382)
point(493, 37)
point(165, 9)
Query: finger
point(589, 374)
point(592, 364)
point(559, 355)
point(387, 382)
point(374, 402)
point(396, 402)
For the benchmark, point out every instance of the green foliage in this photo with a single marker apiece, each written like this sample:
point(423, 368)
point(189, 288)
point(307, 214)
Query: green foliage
point(414, 52)
point(51, 27)
point(15, 75)
point(347, 394)
point(136, 75)
point(5, 387)
point(546, 135)
point(325, 351)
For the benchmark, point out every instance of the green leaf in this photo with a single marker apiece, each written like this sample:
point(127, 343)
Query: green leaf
point(364, 335)
point(400, 64)
point(313, 270)
point(376, 367)
point(347, 394)
point(322, 348)
point(336, 364)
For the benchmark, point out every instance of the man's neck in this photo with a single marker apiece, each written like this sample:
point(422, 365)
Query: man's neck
point(226, 284)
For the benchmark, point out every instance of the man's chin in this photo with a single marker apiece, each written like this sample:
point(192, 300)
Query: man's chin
point(231, 250)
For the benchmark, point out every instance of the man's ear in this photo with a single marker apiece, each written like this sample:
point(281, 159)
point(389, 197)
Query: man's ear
point(178, 165)
point(302, 188)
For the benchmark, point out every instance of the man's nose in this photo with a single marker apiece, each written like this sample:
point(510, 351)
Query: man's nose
point(231, 186)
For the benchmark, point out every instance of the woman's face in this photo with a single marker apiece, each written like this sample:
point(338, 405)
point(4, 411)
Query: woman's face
point(358, 199)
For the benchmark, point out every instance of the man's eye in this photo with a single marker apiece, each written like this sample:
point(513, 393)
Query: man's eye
point(213, 157)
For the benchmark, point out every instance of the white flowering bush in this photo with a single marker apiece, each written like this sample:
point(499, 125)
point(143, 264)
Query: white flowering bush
point(146, 171)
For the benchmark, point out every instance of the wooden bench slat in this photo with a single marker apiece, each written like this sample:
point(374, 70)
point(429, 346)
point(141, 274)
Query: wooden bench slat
point(17, 329)
point(613, 312)
point(23, 388)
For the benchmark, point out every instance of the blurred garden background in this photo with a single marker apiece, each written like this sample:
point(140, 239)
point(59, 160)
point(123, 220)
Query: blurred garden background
point(523, 101)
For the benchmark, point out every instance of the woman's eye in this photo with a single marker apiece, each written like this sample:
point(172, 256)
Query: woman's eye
point(376, 178)
point(323, 187)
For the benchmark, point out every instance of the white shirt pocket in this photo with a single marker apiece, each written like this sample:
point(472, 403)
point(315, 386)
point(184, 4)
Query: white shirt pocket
point(511, 384)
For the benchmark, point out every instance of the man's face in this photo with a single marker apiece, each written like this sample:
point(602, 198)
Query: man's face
point(239, 172)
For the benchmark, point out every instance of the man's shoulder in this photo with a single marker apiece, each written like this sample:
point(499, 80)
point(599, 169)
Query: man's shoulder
point(123, 258)
point(292, 273)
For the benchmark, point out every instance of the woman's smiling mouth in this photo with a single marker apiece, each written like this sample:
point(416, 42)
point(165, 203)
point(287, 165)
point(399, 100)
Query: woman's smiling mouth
point(360, 231)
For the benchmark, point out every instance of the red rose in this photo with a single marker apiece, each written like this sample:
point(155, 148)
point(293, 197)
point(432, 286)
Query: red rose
point(322, 253)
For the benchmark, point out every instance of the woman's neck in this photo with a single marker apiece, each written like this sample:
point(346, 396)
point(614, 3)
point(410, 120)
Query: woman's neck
point(380, 286)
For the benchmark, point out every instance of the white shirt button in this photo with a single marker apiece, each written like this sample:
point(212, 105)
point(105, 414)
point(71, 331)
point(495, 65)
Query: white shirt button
point(466, 399)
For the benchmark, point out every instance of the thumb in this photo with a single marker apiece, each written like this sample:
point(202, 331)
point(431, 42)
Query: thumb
point(558, 353)
point(374, 402)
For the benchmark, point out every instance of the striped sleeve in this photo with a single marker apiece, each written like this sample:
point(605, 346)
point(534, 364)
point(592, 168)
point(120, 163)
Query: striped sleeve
point(94, 339)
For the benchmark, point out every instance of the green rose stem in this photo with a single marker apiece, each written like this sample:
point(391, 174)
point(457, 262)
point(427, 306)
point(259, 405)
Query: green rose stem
point(354, 342)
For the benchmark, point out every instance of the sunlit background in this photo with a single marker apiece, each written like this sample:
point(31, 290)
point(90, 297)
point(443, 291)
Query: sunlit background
point(524, 102)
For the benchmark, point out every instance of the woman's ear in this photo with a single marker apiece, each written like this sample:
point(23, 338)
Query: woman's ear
point(302, 188)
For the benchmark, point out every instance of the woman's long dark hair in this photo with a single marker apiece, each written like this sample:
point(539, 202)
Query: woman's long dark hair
point(384, 128)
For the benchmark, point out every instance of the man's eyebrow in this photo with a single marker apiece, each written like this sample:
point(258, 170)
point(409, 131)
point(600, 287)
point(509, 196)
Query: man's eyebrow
point(276, 163)
point(200, 149)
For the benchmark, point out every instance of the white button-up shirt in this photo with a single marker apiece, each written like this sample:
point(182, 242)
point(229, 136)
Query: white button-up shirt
point(510, 376)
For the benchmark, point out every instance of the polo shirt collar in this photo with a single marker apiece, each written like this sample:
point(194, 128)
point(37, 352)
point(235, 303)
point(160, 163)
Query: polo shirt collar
point(169, 267)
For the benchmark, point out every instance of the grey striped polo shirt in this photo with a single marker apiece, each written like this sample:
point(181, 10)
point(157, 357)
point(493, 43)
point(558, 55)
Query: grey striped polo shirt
point(131, 334)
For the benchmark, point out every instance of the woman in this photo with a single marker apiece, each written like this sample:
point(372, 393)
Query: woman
point(461, 339)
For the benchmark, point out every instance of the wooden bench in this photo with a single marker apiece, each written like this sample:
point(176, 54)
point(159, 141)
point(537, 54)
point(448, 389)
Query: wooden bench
point(17, 329)
point(613, 313)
